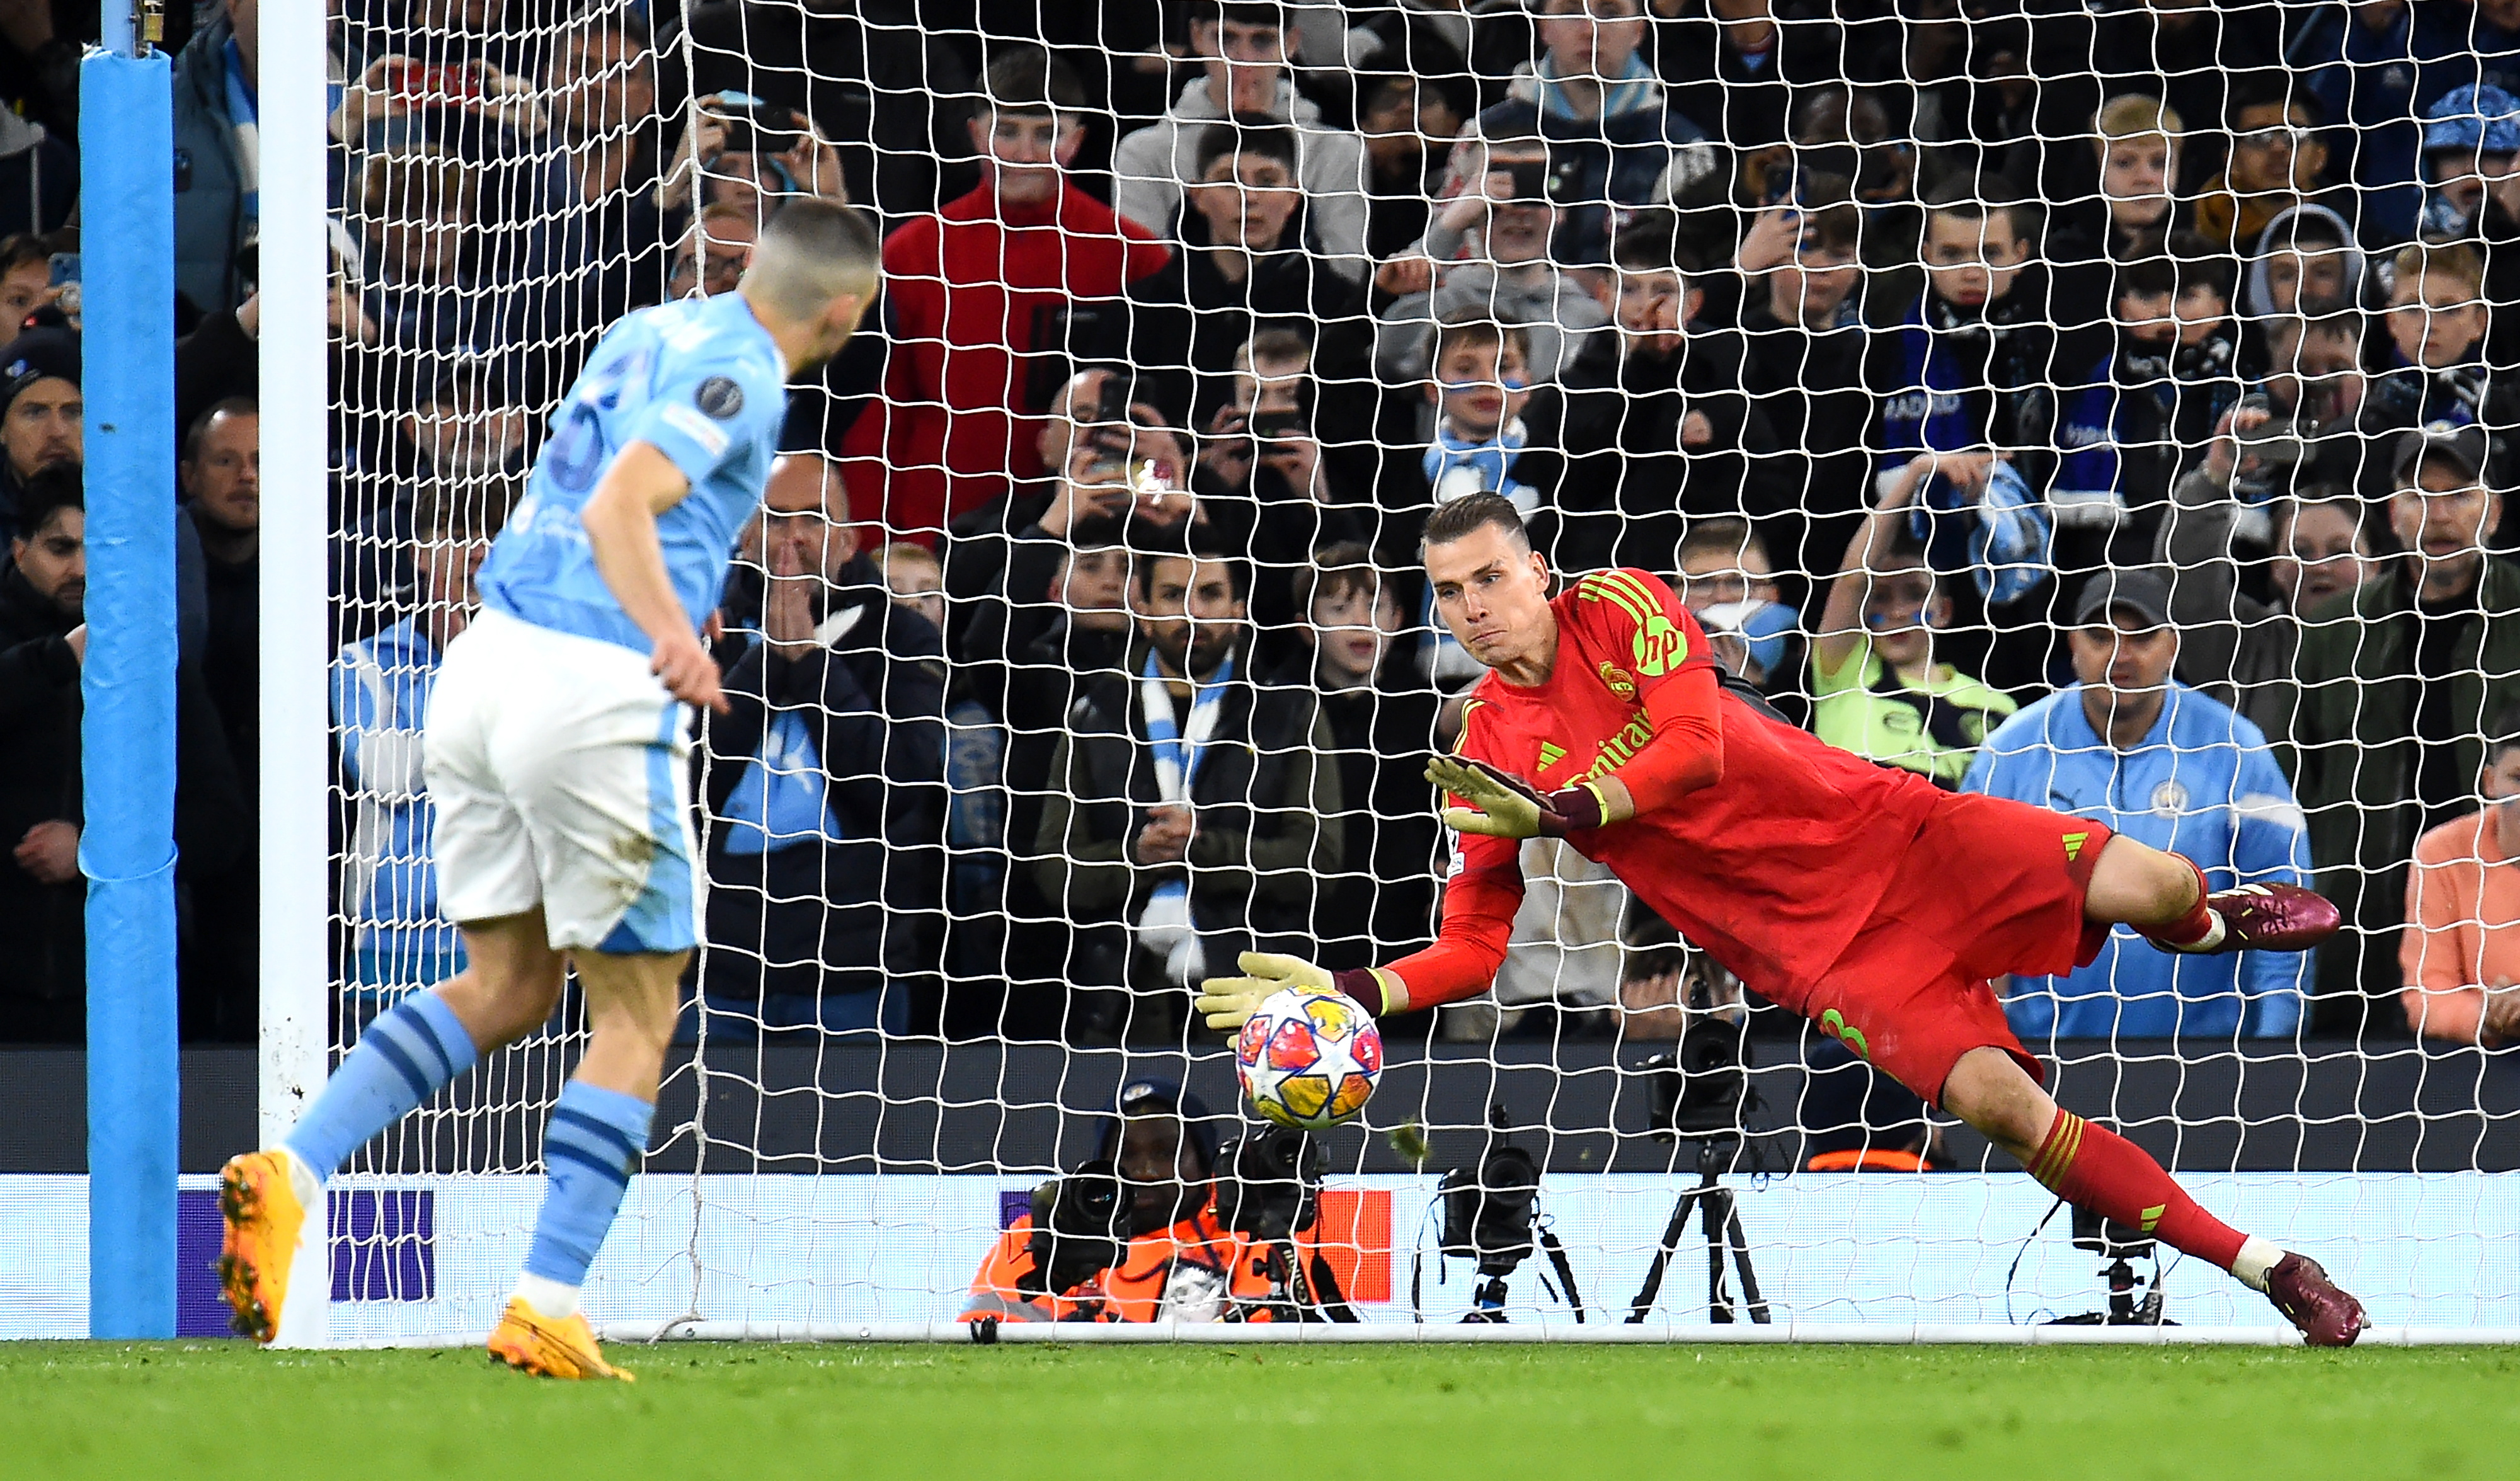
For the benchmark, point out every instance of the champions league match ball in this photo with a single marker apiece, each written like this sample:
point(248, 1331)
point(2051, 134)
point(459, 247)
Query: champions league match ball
point(1309, 1059)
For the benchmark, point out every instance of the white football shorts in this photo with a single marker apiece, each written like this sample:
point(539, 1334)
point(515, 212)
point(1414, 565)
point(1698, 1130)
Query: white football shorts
point(558, 767)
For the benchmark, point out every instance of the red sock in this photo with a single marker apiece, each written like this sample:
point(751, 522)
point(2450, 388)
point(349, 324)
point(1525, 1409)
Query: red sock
point(2094, 1167)
point(2191, 927)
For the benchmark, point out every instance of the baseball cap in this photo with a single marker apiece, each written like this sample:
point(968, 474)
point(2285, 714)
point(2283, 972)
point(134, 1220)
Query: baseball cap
point(2462, 447)
point(2141, 591)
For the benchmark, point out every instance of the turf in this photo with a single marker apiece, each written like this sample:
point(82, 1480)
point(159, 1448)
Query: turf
point(165, 1411)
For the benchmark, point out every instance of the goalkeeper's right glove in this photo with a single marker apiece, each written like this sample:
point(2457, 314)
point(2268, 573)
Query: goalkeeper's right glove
point(1503, 805)
point(1229, 1002)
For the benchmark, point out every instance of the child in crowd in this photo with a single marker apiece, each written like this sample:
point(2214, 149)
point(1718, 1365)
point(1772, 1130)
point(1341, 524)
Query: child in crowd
point(1880, 692)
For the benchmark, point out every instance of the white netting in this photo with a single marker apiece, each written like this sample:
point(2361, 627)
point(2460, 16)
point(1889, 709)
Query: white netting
point(2145, 288)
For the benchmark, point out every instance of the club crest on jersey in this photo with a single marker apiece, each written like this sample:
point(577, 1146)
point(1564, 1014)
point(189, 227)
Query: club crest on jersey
point(1660, 646)
point(1618, 679)
point(2169, 799)
point(720, 398)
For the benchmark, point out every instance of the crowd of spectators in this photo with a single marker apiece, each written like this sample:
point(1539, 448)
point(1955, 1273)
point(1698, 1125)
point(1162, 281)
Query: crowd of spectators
point(2107, 405)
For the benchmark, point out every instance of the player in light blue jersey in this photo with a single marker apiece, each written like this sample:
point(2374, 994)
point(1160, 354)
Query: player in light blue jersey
point(557, 751)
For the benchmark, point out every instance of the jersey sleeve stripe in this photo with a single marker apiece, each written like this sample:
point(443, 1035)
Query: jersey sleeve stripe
point(1600, 589)
point(1629, 582)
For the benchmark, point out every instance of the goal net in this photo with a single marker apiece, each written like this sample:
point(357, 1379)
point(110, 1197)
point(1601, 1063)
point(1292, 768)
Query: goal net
point(2103, 407)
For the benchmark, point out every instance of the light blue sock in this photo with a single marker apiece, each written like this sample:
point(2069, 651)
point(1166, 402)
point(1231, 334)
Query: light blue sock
point(406, 1056)
point(594, 1143)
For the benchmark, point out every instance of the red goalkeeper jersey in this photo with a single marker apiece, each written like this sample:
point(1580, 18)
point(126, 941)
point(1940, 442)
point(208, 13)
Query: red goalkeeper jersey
point(1773, 868)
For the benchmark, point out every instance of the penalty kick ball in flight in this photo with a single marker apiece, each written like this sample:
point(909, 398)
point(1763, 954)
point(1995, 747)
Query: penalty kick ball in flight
point(1309, 1059)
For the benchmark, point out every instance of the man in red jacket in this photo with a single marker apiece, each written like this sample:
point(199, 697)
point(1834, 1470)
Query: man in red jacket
point(969, 289)
point(1862, 897)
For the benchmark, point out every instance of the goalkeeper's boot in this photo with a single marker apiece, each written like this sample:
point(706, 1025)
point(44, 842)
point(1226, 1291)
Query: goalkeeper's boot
point(2326, 1314)
point(530, 1342)
point(2265, 918)
point(263, 1214)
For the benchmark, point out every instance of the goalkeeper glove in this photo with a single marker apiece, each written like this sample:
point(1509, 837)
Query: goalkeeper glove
point(1503, 805)
point(1228, 1002)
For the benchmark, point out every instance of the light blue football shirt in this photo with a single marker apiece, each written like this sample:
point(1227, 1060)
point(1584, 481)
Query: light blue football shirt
point(700, 380)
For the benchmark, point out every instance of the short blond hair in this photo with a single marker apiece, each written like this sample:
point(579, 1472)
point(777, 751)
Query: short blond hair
point(2135, 115)
point(2455, 259)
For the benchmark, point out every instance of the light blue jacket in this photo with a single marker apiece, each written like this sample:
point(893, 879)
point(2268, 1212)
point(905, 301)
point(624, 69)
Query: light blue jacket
point(390, 880)
point(2203, 784)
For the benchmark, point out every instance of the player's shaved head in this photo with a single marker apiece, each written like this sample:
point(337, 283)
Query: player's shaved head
point(814, 270)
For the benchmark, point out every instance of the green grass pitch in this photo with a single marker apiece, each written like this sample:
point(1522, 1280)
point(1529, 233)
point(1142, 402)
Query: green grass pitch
point(159, 1412)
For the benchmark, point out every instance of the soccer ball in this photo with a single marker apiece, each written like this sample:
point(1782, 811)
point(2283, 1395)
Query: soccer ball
point(1309, 1058)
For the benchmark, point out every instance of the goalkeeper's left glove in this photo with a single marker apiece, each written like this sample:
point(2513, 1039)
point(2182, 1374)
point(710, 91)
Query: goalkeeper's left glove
point(1505, 806)
point(1228, 1002)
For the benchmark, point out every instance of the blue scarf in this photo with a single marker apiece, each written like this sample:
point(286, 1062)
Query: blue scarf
point(1457, 467)
point(245, 117)
point(2005, 539)
point(1166, 927)
point(1633, 91)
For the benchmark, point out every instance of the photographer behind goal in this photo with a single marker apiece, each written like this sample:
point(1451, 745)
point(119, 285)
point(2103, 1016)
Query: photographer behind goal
point(1149, 1228)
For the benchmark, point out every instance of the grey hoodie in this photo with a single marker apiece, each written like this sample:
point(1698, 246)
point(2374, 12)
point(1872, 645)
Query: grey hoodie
point(1149, 167)
point(2257, 301)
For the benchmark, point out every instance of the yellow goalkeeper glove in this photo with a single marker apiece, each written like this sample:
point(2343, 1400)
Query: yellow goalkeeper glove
point(1229, 1002)
point(1505, 806)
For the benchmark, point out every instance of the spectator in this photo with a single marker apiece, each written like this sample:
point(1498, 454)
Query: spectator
point(1733, 65)
point(2235, 647)
point(893, 95)
point(970, 290)
point(1657, 424)
point(2304, 262)
point(416, 211)
point(2433, 368)
point(1479, 390)
point(752, 156)
point(2472, 143)
point(2135, 142)
point(2395, 691)
point(1382, 727)
point(42, 416)
point(26, 279)
point(1612, 141)
point(1803, 345)
point(2361, 61)
point(2176, 377)
point(1243, 49)
point(710, 260)
point(917, 581)
point(2460, 954)
point(217, 205)
point(1880, 692)
point(1114, 453)
point(221, 481)
point(825, 796)
point(595, 245)
point(1723, 561)
point(1503, 218)
point(380, 689)
point(42, 644)
point(1265, 483)
point(2163, 764)
point(1246, 265)
point(1184, 821)
point(2276, 162)
point(1402, 118)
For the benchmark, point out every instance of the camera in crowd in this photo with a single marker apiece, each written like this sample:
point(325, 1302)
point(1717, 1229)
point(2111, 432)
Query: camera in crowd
point(1079, 1225)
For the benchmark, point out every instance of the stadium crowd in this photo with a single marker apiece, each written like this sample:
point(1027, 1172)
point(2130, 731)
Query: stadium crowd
point(2107, 405)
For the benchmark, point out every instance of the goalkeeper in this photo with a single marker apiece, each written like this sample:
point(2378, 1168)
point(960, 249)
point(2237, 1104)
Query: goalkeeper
point(1860, 897)
point(556, 754)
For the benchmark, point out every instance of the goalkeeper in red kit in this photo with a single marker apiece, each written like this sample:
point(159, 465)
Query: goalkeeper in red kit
point(1862, 897)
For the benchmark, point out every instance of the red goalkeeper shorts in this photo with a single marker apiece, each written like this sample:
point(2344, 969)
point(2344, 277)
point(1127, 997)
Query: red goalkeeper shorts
point(1987, 887)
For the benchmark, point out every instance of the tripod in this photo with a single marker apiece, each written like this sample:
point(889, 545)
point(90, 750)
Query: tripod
point(1721, 1216)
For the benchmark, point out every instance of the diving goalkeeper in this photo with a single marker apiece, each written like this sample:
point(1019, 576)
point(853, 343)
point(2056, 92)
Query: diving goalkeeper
point(1862, 897)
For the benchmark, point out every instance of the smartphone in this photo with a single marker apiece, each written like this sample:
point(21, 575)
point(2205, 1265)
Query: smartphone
point(65, 269)
point(452, 84)
point(1273, 426)
point(1530, 179)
